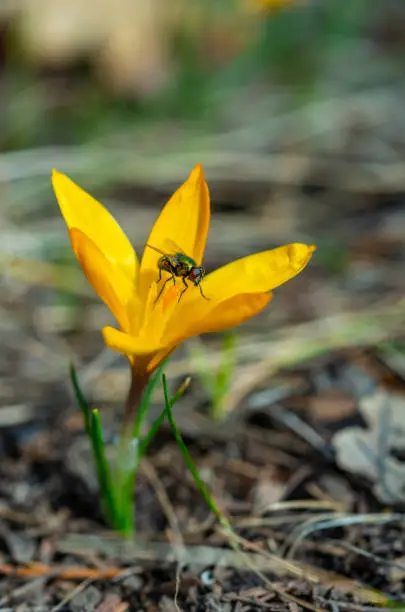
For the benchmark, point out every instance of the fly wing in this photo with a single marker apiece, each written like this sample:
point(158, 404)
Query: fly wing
point(173, 247)
point(155, 249)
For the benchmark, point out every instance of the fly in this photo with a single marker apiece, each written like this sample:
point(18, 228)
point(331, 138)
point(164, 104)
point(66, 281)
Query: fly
point(181, 266)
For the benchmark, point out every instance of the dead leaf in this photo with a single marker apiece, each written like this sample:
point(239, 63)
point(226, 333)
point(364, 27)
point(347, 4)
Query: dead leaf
point(369, 451)
point(267, 491)
point(112, 603)
point(331, 405)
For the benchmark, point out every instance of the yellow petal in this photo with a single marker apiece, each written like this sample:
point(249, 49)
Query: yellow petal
point(127, 344)
point(219, 316)
point(229, 287)
point(83, 212)
point(256, 273)
point(107, 278)
point(183, 221)
point(141, 359)
point(158, 357)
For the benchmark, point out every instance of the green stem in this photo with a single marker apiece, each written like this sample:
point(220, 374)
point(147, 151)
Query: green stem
point(128, 451)
point(145, 402)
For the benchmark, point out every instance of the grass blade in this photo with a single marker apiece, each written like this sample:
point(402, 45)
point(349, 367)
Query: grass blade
point(154, 428)
point(80, 399)
point(94, 431)
point(159, 420)
point(103, 470)
point(190, 463)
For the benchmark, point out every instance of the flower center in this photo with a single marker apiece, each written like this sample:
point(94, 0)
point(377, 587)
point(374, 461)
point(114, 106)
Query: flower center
point(169, 295)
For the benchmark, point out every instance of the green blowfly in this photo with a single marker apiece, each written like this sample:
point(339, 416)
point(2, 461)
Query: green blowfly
point(179, 265)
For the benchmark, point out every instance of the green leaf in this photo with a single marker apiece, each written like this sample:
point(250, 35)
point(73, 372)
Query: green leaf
point(190, 463)
point(80, 399)
point(154, 428)
point(224, 375)
point(159, 420)
point(216, 383)
point(202, 364)
point(102, 467)
point(94, 432)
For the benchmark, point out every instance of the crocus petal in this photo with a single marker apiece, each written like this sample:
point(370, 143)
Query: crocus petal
point(158, 316)
point(253, 274)
point(107, 278)
point(84, 213)
point(218, 317)
point(256, 275)
point(184, 222)
point(127, 344)
point(141, 353)
point(158, 357)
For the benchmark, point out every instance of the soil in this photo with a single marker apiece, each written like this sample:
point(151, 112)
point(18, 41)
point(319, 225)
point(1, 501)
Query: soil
point(57, 554)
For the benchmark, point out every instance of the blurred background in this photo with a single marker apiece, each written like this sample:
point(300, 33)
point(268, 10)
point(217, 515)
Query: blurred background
point(295, 109)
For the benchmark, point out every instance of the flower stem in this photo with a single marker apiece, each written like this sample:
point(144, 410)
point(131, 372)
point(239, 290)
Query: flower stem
point(145, 402)
point(129, 451)
point(139, 381)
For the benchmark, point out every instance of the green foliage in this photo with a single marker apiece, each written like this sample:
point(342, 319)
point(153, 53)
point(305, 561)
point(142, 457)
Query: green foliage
point(189, 461)
point(332, 258)
point(117, 480)
point(92, 423)
point(216, 382)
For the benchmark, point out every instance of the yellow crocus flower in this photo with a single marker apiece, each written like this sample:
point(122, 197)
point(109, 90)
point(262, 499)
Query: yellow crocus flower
point(150, 328)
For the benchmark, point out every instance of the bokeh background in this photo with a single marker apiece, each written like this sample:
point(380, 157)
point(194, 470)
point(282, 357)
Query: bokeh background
point(295, 108)
point(296, 111)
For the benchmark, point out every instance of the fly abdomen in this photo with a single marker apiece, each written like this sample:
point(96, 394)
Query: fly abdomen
point(166, 264)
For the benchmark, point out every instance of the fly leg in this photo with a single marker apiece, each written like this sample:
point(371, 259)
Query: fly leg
point(185, 288)
point(172, 277)
point(202, 294)
point(157, 282)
